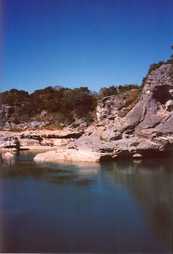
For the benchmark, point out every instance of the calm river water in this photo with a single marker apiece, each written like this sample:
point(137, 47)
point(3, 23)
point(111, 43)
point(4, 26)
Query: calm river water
point(110, 208)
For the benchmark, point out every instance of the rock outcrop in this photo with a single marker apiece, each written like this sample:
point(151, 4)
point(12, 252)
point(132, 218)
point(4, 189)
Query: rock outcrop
point(129, 125)
point(146, 129)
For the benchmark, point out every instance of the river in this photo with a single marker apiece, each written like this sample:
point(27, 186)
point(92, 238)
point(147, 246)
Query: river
point(115, 207)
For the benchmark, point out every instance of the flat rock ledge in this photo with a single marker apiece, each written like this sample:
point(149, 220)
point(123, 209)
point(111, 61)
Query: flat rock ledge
point(131, 148)
point(68, 155)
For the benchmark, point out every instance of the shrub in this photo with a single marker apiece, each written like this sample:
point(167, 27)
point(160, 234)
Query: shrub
point(63, 104)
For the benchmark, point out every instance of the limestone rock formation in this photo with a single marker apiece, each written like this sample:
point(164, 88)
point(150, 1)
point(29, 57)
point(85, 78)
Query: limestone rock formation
point(70, 155)
point(145, 129)
point(128, 124)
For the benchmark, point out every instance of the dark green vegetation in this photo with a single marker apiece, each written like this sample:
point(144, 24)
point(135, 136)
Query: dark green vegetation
point(62, 105)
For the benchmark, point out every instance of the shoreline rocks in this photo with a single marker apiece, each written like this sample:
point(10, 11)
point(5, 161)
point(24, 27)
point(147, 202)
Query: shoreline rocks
point(134, 128)
point(70, 155)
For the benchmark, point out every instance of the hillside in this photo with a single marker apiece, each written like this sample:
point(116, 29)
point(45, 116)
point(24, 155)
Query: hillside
point(118, 122)
point(55, 107)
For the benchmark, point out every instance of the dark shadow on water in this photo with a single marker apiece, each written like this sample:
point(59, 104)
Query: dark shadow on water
point(151, 183)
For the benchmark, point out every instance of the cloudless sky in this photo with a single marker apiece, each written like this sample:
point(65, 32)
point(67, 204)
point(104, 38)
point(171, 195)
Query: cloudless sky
point(71, 43)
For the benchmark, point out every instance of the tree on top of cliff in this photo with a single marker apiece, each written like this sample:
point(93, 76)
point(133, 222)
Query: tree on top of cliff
point(114, 90)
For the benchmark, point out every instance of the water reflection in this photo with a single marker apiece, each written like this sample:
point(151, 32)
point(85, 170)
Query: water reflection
point(7, 159)
point(151, 183)
point(80, 173)
point(113, 207)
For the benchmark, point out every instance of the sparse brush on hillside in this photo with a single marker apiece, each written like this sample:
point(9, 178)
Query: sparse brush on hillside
point(59, 104)
point(62, 104)
point(116, 89)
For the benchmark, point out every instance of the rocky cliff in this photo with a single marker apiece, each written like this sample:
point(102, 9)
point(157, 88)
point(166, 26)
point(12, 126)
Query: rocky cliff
point(129, 124)
point(146, 129)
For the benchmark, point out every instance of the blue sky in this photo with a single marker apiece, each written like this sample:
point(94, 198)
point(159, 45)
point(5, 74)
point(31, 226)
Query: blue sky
point(71, 43)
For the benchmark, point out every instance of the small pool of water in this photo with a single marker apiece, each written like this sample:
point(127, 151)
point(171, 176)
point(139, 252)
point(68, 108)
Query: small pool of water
point(109, 208)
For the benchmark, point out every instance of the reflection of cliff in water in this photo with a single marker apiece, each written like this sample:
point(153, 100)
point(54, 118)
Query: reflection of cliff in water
point(151, 183)
point(81, 174)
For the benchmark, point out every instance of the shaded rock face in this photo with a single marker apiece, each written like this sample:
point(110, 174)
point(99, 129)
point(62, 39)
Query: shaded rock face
point(146, 129)
point(115, 106)
point(109, 108)
point(154, 107)
point(111, 112)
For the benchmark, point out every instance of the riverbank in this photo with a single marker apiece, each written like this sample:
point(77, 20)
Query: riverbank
point(121, 129)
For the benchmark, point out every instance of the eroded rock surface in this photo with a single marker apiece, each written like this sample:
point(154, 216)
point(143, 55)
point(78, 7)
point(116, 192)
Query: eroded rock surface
point(145, 129)
point(126, 125)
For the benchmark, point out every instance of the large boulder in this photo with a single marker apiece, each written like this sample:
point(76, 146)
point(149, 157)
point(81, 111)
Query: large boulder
point(71, 155)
